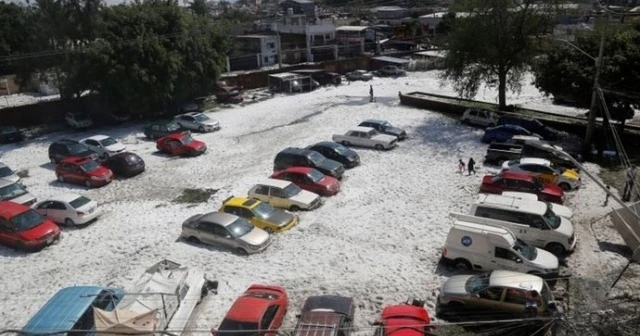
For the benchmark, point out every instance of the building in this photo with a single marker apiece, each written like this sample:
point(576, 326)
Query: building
point(305, 39)
point(299, 7)
point(253, 52)
point(352, 40)
point(431, 21)
point(384, 13)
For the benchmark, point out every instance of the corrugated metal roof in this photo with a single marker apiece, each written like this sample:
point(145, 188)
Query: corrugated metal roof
point(352, 28)
point(390, 59)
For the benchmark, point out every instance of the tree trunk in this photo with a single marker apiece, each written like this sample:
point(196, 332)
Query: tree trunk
point(502, 91)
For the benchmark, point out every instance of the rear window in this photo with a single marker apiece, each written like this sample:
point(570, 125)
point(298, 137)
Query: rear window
point(79, 202)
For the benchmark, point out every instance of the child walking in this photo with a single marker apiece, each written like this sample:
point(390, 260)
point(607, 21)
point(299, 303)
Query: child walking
point(460, 167)
point(471, 166)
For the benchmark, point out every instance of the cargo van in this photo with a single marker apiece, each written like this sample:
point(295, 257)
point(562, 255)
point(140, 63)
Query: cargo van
point(484, 247)
point(560, 210)
point(534, 222)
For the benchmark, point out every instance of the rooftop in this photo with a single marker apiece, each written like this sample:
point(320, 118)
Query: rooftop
point(352, 28)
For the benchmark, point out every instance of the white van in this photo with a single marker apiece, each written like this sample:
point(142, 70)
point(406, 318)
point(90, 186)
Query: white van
point(559, 210)
point(484, 247)
point(532, 221)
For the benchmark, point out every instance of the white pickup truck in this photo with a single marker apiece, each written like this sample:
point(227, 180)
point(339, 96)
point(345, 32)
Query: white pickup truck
point(366, 137)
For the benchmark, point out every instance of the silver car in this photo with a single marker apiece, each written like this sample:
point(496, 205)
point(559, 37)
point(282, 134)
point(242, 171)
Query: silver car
point(231, 231)
point(363, 75)
point(197, 121)
point(8, 174)
point(15, 192)
point(498, 291)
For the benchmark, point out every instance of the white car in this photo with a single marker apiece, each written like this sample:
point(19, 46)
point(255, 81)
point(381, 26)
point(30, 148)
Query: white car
point(359, 75)
point(285, 194)
point(558, 209)
point(366, 137)
point(197, 121)
point(77, 120)
point(105, 146)
point(8, 174)
point(69, 209)
point(477, 117)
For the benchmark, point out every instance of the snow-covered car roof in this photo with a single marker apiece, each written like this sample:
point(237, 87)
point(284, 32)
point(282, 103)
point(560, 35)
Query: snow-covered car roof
point(362, 129)
point(275, 183)
point(98, 137)
point(538, 161)
point(191, 114)
point(67, 197)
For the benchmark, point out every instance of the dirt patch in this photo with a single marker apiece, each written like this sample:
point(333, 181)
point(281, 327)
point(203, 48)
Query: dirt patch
point(195, 195)
point(23, 173)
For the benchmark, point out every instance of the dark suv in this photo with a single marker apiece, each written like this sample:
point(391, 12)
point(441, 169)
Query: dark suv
point(298, 157)
point(532, 125)
point(326, 315)
point(65, 148)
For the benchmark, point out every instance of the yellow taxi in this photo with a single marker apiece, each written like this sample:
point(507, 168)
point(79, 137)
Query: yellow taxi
point(543, 169)
point(260, 214)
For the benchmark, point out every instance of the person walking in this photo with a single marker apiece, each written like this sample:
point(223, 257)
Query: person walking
point(460, 166)
point(471, 166)
point(629, 184)
point(371, 98)
point(531, 304)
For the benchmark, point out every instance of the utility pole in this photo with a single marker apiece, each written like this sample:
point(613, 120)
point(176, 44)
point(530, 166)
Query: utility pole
point(279, 50)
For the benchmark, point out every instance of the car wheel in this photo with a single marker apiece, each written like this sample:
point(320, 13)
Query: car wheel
point(193, 240)
point(294, 208)
point(555, 248)
point(462, 263)
point(87, 183)
point(378, 147)
point(60, 178)
point(201, 129)
point(565, 186)
point(241, 251)
point(269, 230)
point(69, 222)
point(345, 143)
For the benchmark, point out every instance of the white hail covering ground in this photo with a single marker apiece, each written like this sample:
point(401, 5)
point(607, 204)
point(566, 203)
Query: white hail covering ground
point(378, 240)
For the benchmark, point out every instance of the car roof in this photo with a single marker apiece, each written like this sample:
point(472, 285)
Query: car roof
point(251, 305)
point(516, 280)
point(176, 135)
point(221, 218)
point(241, 202)
point(538, 161)
point(192, 114)
point(510, 202)
point(484, 229)
point(296, 150)
point(97, 137)
point(376, 121)
point(66, 141)
point(4, 182)
point(76, 160)
point(299, 170)
point(516, 176)
point(274, 183)
point(8, 209)
point(361, 129)
point(330, 144)
point(66, 197)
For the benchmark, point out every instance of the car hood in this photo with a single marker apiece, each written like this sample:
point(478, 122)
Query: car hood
point(565, 228)
point(384, 137)
point(329, 181)
point(210, 122)
point(487, 179)
point(195, 145)
point(280, 217)
point(118, 147)
point(545, 260)
point(455, 285)
point(304, 197)
point(45, 228)
point(101, 171)
point(24, 198)
point(255, 237)
point(571, 174)
point(561, 210)
point(394, 130)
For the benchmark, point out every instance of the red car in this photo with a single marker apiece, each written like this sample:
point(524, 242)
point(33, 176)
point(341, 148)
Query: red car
point(259, 308)
point(24, 228)
point(181, 144)
point(309, 179)
point(408, 319)
point(510, 181)
point(83, 171)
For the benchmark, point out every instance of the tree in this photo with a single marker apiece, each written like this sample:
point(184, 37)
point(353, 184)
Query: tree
point(15, 31)
point(494, 44)
point(447, 23)
point(199, 7)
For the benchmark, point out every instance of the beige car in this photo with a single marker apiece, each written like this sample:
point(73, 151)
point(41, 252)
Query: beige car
point(494, 292)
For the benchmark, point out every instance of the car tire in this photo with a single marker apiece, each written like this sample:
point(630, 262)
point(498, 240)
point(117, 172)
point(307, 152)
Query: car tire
point(60, 178)
point(294, 208)
point(87, 183)
point(201, 129)
point(269, 230)
point(463, 264)
point(378, 147)
point(565, 186)
point(69, 222)
point(555, 248)
point(193, 240)
point(241, 251)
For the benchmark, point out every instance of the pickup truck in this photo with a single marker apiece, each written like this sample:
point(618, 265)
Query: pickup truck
point(366, 137)
point(499, 152)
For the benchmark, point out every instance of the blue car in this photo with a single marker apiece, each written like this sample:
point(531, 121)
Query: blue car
point(72, 309)
point(503, 133)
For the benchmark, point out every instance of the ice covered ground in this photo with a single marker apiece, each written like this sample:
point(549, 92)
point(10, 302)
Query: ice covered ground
point(378, 240)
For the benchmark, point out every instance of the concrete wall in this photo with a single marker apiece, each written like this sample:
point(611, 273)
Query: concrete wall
point(8, 85)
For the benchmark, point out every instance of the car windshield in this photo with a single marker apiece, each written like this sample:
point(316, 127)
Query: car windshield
point(263, 210)
point(187, 139)
point(201, 117)
point(76, 148)
point(79, 202)
point(26, 220)
point(238, 328)
point(89, 166)
point(316, 158)
point(171, 127)
point(108, 142)
point(316, 176)
point(386, 124)
point(12, 191)
point(5, 171)
point(477, 283)
point(239, 228)
point(552, 219)
point(527, 251)
point(290, 191)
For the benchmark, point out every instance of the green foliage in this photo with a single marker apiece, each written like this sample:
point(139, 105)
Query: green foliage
point(494, 44)
point(447, 23)
point(14, 31)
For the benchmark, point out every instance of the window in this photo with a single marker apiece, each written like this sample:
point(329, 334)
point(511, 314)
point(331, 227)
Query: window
point(266, 59)
point(491, 293)
point(232, 210)
point(275, 192)
point(85, 322)
point(536, 221)
point(156, 127)
point(219, 231)
point(499, 214)
point(262, 190)
point(271, 45)
point(530, 168)
point(5, 226)
point(503, 253)
point(246, 213)
point(57, 206)
point(515, 296)
point(267, 319)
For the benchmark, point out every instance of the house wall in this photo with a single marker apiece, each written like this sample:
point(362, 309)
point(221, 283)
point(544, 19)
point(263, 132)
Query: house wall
point(8, 85)
point(299, 8)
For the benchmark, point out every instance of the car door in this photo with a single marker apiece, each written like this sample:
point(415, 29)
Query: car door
point(537, 233)
point(362, 139)
point(276, 198)
point(95, 146)
point(548, 174)
point(487, 299)
point(261, 192)
point(206, 233)
point(7, 233)
point(507, 260)
point(57, 211)
point(61, 152)
point(268, 320)
point(222, 236)
point(43, 208)
point(75, 173)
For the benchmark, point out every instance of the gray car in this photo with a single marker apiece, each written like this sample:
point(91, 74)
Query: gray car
point(385, 127)
point(8, 174)
point(231, 231)
point(15, 192)
point(197, 121)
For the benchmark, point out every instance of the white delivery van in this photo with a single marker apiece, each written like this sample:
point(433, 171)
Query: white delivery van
point(484, 247)
point(532, 221)
point(560, 210)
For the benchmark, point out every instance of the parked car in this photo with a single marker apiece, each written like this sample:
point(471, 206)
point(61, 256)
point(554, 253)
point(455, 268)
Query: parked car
point(159, 130)
point(64, 148)
point(83, 171)
point(71, 308)
point(499, 152)
point(334, 313)
point(181, 144)
point(545, 171)
point(366, 137)
point(9, 134)
point(503, 133)
point(23, 228)
point(483, 118)
point(197, 121)
point(510, 181)
point(69, 209)
point(558, 209)
point(125, 164)
point(385, 127)
point(542, 150)
point(309, 179)
point(532, 125)
point(260, 214)
point(260, 307)
point(298, 157)
point(357, 75)
point(15, 192)
point(285, 195)
point(104, 145)
point(78, 120)
point(226, 94)
point(323, 77)
point(390, 70)
point(8, 174)
point(189, 106)
point(495, 292)
point(408, 319)
point(227, 230)
point(337, 152)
